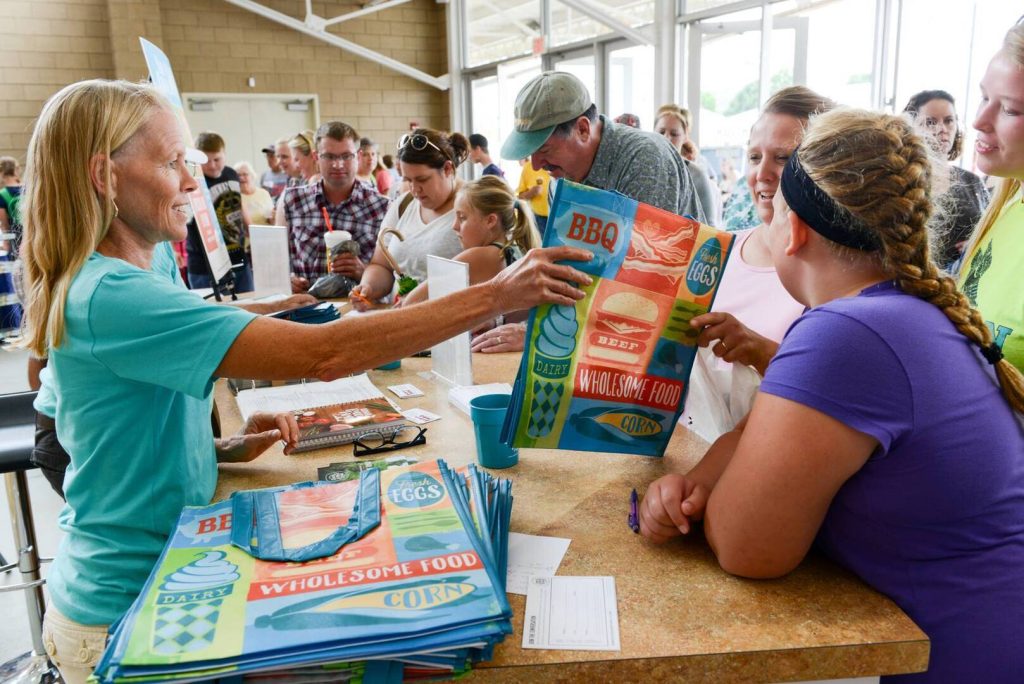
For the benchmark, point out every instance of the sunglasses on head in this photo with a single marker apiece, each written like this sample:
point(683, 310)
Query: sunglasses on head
point(418, 142)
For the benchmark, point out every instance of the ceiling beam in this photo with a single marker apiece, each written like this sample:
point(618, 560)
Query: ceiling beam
point(439, 82)
point(599, 15)
point(368, 9)
point(522, 26)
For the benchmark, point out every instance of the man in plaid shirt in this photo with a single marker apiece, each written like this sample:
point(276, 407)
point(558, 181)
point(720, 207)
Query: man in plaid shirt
point(338, 202)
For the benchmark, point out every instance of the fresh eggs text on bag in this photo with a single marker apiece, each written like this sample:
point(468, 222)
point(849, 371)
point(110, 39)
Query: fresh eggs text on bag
point(610, 373)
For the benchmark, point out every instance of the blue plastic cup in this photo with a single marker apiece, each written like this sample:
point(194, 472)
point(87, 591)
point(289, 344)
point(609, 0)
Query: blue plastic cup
point(394, 365)
point(488, 414)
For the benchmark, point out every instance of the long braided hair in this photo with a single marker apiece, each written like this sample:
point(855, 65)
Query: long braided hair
point(877, 168)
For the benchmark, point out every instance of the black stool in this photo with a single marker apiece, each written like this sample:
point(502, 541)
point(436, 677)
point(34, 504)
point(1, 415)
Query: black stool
point(17, 437)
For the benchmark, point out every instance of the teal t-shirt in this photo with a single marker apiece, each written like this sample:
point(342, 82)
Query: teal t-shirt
point(163, 263)
point(134, 376)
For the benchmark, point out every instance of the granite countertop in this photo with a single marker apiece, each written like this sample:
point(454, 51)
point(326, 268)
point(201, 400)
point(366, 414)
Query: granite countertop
point(680, 615)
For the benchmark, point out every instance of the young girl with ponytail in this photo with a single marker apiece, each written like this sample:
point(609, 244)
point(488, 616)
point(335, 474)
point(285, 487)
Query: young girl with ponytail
point(886, 430)
point(494, 228)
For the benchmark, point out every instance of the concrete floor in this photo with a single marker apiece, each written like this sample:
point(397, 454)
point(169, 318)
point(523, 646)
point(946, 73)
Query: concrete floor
point(14, 635)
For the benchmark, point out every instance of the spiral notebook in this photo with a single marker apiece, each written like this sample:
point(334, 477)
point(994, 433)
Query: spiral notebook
point(328, 413)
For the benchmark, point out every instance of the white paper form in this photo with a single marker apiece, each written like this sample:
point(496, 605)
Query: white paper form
point(530, 555)
point(571, 614)
point(270, 263)
point(307, 395)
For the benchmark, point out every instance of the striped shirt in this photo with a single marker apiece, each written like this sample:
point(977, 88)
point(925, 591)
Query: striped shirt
point(361, 215)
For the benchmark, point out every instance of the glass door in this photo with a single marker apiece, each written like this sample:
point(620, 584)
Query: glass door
point(630, 83)
point(733, 66)
point(582, 65)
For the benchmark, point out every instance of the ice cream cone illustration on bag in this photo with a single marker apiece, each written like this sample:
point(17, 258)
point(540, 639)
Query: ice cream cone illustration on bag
point(189, 603)
point(554, 347)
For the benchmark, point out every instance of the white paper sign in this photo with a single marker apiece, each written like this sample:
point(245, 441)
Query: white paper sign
point(270, 265)
point(453, 358)
point(571, 614)
point(530, 555)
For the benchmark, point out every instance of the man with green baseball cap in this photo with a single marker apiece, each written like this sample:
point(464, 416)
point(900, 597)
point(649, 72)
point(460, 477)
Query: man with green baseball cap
point(557, 126)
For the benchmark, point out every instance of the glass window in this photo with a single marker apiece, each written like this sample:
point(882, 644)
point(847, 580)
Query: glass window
point(630, 83)
point(935, 53)
point(583, 68)
point(730, 56)
point(511, 79)
point(690, 6)
point(500, 30)
point(486, 112)
point(493, 107)
point(836, 39)
point(636, 13)
point(569, 25)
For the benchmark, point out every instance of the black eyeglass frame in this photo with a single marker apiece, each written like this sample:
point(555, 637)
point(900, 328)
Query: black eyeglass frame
point(388, 442)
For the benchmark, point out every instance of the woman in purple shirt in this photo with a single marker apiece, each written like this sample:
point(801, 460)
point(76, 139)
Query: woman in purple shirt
point(886, 430)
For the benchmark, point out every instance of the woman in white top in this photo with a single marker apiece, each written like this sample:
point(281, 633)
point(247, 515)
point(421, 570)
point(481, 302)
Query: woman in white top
point(256, 201)
point(751, 291)
point(752, 310)
point(425, 217)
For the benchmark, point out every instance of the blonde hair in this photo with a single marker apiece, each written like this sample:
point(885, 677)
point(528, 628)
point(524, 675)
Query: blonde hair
point(65, 218)
point(492, 195)
point(1013, 47)
point(303, 141)
point(676, 112)
point(879, 170)
point(682, 115)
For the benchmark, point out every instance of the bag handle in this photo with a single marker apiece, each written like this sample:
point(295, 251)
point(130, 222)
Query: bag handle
point(256, 526)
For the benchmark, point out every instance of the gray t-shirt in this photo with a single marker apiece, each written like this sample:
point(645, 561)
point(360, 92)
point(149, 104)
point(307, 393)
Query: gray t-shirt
point(707, 193)
point(644, 166)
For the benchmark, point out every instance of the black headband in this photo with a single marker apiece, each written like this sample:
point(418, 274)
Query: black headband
point(820, 212)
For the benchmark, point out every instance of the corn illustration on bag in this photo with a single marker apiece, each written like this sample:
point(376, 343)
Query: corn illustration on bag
point(611, 373)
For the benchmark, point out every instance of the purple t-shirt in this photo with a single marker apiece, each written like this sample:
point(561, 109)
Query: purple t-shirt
point(935, 518)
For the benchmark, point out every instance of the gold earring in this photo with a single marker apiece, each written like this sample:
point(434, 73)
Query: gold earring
point(115, 210)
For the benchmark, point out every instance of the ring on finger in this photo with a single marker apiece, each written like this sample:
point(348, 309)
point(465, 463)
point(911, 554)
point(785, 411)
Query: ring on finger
point(499, 339)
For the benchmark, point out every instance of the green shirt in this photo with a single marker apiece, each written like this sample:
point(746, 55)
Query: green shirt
point(133, 377)
point(991, 279)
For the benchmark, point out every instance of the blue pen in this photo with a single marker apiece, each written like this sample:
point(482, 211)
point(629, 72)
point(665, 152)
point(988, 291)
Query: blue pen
point(634, 514)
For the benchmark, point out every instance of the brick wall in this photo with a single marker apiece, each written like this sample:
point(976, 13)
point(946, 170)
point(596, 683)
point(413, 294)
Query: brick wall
point(215, 47)
point(44, 45)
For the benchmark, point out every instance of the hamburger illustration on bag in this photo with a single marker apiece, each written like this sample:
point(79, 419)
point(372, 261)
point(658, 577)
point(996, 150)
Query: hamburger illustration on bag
point(623, 327)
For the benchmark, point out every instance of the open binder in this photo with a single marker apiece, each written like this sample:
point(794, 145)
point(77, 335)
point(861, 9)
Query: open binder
point(328, 413)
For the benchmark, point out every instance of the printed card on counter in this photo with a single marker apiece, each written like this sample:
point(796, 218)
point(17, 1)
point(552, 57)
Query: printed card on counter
point(530, 555)
point(420, 416)
point(610, 373)
point(571, 614)
point(406, 391)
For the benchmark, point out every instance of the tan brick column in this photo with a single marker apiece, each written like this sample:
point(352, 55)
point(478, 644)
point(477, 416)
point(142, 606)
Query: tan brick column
point(130, 19)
